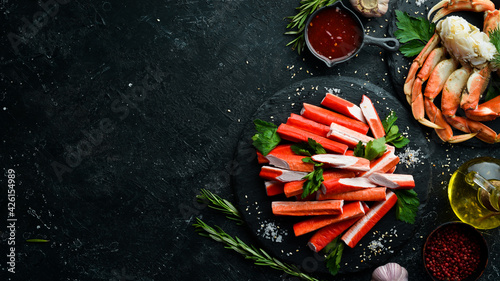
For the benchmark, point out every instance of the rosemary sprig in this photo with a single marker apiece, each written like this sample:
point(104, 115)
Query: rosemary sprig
point(298, 22)
point(259, 256)
point(218, 203)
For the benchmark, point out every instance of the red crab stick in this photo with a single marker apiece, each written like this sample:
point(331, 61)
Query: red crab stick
point(393, 181)
point(274, 187)
point(351, 210)
point(290, 162)
point(383, 164)
point(307, 208)
point(326, 234)
point(307, 125)
point(297, 135)
point(281, 175)
point(279, 149)
point(343, 106)
point(372, 117)
point(363, 225)
point(295, 188)
point(345, 135)
point(345, 185)
point(367, 194)
point(327, 117)
point(343, 161)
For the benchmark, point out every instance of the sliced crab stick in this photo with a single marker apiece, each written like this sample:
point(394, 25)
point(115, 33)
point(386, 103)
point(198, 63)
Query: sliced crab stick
point(393, 181)
point(325, 235)
point(365, 223)
point(279, 149)
point(281, 175)
point(345, 135)
point(372, 117)
point(297, 135)
point(307, 208)
point(351, 210)
point(343, 106)
point(327, 117)
point(274, 187)
point(290, 162)
point(307, 125)
point(383, 164)
point(367, 194)
point(345, 185)
point(343, 161)
point(295, 188)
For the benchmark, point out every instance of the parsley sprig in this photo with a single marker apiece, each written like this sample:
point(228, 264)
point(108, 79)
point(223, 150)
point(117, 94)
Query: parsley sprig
point(334, 251)
point(407, 205)
point(266, 137)
point(315, 178)
point(413, 33)
point(298, 22)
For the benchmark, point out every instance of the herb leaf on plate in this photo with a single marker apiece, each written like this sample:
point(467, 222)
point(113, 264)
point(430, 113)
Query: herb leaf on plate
point(266, 137)
point(413, 33)
point(393, 135)
point(334, 251)
point(407, 205)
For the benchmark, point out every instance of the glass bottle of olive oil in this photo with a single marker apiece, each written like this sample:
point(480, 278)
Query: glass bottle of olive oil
point(474, 191)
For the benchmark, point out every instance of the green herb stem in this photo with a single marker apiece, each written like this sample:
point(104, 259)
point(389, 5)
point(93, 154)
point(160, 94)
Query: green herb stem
point(218, 203)
point(259, 256)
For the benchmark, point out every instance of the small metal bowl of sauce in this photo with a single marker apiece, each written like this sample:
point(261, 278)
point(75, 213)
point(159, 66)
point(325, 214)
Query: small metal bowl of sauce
point(335, 34)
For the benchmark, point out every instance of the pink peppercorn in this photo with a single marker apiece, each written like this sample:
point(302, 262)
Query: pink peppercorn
point(452, 253)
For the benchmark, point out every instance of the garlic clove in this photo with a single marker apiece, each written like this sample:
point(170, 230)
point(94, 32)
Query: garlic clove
point(390, 272)
point(371, 8)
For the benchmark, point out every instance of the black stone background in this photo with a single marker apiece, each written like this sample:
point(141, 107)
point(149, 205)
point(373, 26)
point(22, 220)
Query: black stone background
point(138, 105)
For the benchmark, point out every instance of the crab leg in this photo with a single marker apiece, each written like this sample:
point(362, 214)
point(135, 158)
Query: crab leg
point(417, 63)
point(476, 85)
point(417, 99)
point(487, 111)
point(438, 77)
point(452, 91)
point(482, 131)
point(445, 134)
point(446, 7)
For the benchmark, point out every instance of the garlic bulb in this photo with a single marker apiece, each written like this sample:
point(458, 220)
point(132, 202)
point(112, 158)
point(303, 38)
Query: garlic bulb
point(371, 8)
point(390, 272)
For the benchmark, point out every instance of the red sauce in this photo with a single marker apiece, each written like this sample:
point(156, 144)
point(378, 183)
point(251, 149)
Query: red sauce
point(334, 34)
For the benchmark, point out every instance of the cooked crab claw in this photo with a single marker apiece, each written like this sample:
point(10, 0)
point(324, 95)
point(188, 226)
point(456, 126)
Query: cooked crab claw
point(446, 7)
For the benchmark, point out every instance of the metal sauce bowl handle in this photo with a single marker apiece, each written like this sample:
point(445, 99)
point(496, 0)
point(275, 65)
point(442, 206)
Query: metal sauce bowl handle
point(389, 44)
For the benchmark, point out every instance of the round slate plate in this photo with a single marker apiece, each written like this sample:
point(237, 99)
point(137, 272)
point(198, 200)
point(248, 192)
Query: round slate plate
point(399, 65)
point(276, 233)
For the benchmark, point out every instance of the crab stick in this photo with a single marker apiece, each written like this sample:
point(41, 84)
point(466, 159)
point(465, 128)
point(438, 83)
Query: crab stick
point(383, 164)
point(345, 135)
point(343, 106)
point(261, 159)
point(351, 210)
point(307, 208)
point(325, 235)
point(274, 187)
point(366, 194)
point(345, 184)
point(281, 175)
point(372, 117)
point(297, 135)
point(327, 117)
point(290, 162)
point(393, 181)
point(343, 161)
point(307, 125)
point(295, 188)
point(365, 223)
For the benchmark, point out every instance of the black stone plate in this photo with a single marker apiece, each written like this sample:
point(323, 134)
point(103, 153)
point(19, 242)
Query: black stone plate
point(276, 233)
point(399, 65)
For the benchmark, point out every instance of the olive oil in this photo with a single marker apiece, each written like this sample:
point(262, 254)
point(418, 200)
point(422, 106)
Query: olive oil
point(465, 196)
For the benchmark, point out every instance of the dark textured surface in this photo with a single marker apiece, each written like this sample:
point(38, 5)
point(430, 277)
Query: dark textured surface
point(115, 113)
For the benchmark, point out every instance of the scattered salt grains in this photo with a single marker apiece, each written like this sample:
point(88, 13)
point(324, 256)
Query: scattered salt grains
point(271, 231)
point(410, 157)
